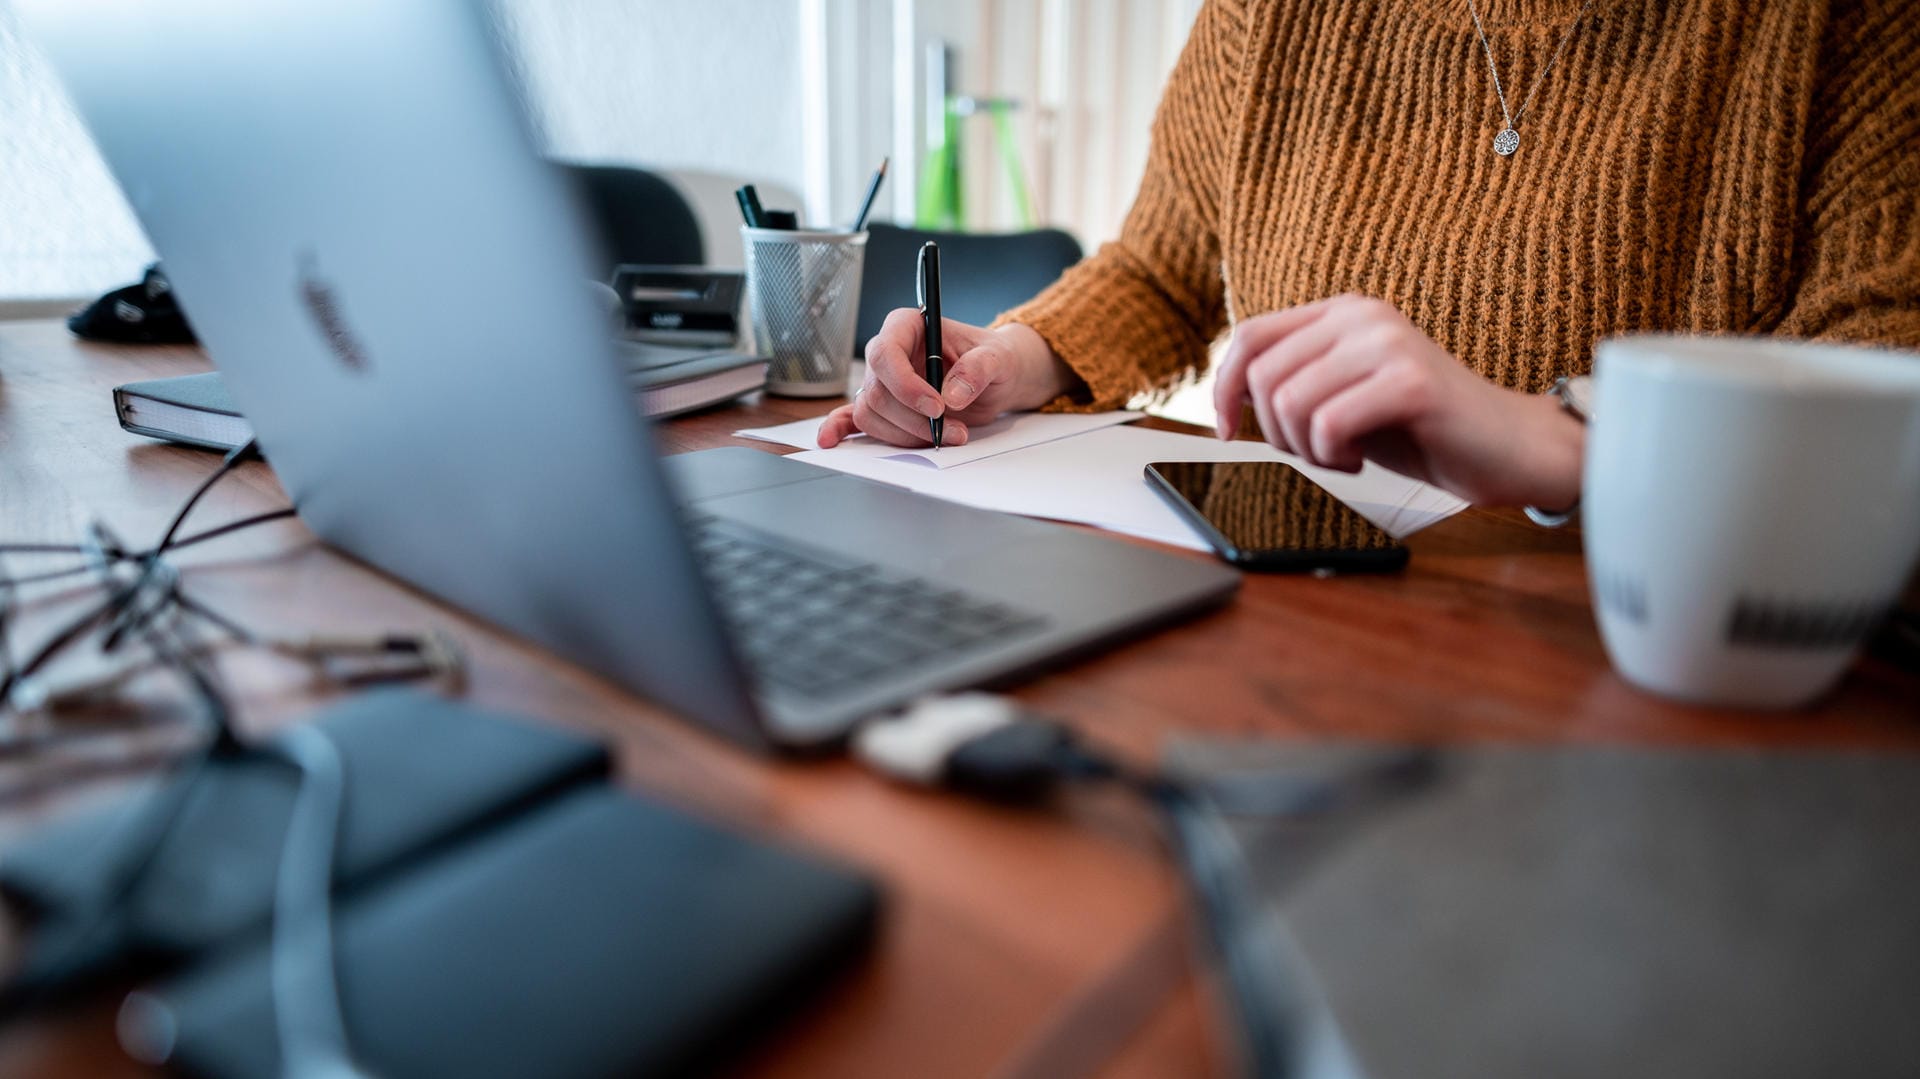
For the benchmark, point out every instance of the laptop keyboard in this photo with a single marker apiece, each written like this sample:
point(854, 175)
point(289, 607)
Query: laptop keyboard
point(815, 624)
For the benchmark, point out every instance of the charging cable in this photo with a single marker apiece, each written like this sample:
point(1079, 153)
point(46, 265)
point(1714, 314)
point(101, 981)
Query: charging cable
point(306, 996)
point(987, 746)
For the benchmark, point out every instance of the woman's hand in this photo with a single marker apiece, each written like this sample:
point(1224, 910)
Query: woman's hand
point(988, 372)
point(1349, 379)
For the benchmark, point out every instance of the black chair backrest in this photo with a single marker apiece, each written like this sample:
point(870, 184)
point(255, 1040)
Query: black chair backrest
point(641, 218)
point(981, 274)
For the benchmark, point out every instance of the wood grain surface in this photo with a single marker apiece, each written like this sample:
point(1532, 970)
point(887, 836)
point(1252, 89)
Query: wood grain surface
point(1014, 943)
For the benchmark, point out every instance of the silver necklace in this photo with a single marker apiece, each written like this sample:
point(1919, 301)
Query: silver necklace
point(1508, 140)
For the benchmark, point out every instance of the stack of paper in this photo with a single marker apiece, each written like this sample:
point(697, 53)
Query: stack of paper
point(1090, 469)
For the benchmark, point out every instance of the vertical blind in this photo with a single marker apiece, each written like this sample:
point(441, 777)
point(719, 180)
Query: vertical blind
point(1088, 74)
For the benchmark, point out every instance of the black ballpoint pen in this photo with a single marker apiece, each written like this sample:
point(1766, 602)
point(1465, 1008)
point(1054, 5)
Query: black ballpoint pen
point(873, 190)
point(930, 314)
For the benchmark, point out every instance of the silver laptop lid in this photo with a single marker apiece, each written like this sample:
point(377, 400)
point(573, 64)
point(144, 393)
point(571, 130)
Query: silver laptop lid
point(356, 220)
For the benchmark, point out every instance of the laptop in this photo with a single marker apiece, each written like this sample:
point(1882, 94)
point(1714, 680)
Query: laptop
point(349, 202)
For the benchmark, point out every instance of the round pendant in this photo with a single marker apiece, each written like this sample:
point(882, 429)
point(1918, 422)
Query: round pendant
point(1506, 142)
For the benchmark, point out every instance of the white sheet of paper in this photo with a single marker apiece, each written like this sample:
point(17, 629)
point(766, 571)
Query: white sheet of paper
point(1097, 479)
point(1014, 431)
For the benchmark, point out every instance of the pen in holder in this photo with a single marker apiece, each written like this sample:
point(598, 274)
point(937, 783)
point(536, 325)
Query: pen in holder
point(805, 288)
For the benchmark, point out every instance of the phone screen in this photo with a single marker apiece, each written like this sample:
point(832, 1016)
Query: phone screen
point(1266, 514)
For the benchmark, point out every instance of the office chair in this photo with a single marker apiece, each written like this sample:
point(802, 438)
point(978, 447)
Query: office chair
point(640, 217)
point(981, 274)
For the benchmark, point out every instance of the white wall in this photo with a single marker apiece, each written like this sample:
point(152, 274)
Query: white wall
point(65, 231)
point(707, 86)
point(800, 95)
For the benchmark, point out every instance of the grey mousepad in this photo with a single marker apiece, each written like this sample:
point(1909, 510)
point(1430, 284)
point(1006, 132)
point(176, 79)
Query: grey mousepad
point(1608, 912)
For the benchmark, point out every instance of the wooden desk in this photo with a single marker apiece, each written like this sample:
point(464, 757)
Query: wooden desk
point(1016, 944)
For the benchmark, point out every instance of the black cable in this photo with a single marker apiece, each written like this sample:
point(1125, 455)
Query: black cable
point(178, 545)
point(151, 560)
point(231, 461)
point(121, 610)
point(7, 593)
point(1261, 988)
point(231, 527)
point(306, 1002)
point(185, 661)
point(66, 635)
point(1024, 760)
point(49, 575)
point(219, 621)
point(1282, 1026)
point(306, 997)
point(125, 870)
point(171, 647)
point(153, 597)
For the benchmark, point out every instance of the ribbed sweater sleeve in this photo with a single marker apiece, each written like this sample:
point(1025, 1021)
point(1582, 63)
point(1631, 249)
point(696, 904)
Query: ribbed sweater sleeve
point(1858, 238)
point(1140, 312)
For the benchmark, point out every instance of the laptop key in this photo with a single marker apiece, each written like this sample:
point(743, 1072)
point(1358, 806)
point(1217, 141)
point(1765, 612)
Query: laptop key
point(814, 624)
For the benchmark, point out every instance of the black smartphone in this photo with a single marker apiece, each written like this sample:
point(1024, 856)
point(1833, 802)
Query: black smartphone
point(1265, 515)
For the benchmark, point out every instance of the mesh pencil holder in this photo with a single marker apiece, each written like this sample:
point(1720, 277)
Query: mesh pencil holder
point(805, 288)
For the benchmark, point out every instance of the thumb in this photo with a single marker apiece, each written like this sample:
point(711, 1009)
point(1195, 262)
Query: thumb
point(977, 369)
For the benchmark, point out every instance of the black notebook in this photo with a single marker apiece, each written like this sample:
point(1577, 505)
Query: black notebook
point(600, 935)
point(422, 772)
point(196, 410)
point(499, 908)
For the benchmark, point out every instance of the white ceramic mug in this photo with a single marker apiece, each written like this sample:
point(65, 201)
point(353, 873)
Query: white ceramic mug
point(1751, 510)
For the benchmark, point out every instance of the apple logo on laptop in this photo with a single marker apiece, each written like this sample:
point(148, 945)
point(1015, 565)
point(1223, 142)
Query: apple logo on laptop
point(319, 299)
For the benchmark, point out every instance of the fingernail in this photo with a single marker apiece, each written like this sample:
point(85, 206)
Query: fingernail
point(958, 391)
point(954, 434)
point(929, 406)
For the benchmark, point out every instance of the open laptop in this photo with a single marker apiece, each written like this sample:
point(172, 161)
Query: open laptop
point(350, 205)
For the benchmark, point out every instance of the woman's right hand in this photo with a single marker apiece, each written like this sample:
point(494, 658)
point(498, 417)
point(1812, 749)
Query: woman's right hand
point(988, 372)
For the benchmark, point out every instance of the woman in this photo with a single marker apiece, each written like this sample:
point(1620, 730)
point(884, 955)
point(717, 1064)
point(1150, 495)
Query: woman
point(1416, 215)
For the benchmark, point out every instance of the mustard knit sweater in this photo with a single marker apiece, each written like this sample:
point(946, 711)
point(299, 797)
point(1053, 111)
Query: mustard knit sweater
point(1748, 166)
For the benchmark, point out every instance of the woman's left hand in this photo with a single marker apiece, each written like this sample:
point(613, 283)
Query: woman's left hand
point(1349, 379)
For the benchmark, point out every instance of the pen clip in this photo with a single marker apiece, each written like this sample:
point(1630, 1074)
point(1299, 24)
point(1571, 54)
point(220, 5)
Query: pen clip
point(920, 277)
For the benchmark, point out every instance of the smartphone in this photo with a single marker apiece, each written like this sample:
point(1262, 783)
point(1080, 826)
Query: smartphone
point(1265, 515)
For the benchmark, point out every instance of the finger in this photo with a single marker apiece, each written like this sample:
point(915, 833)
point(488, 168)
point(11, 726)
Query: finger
point(895, 356)
point(881, 401)
point(1310, 383)
point(1250, 339)
point(1271, 371)
point(879, 426)
point(903, 328)
point(1383, 402)
point(836, 427)
point(976, 371)
point(953, 432)
point(1261, 380)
